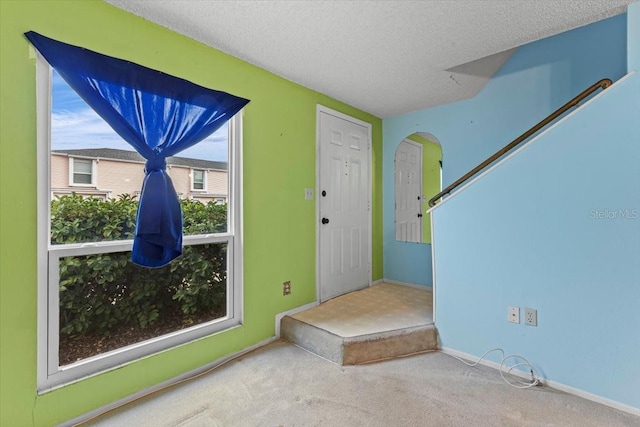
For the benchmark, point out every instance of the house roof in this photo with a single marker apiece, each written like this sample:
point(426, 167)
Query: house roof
point(132, 156)
point(386, 57)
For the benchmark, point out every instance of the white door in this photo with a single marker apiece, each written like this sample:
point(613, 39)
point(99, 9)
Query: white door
point(409, 192)
point(343, 204)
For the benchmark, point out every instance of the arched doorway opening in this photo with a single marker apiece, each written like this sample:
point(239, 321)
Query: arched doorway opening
point(418, 177)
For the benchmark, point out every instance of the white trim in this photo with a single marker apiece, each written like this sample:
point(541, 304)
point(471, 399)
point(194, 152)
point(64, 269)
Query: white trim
point(111, 246)
point(318, 195)
point(165, 384)
point(549, 383)
point(279, 316)
point(322, 109)
point(377, 282)
point(593, 397)
point(485, 362)
point(43, 130)
point(236, 212)
point(407, 284)
point(527, 144)
point(369, 127)
point(433, 264)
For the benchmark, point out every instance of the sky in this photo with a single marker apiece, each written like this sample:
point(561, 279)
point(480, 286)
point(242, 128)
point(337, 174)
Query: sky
point(75, 125)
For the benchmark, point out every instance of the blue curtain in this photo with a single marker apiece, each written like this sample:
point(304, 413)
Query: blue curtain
point(159, 115)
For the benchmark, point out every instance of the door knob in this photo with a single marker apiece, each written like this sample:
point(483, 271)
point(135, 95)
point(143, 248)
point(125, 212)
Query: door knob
point(419, 215)
point(325, 220)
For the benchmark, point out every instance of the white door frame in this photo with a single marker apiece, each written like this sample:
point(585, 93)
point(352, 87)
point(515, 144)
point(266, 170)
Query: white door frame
point(319, 110)
point(420, 183)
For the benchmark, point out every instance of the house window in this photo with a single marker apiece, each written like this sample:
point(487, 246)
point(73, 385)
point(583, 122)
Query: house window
point(199, 179)
point(96, 309)
point(82, 171)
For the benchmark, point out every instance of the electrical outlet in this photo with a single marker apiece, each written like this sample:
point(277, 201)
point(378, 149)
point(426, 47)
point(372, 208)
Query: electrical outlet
point(531, 316)
point(286, 288)
point(514, 314)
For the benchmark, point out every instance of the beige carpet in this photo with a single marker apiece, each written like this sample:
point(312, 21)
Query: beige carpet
point(283, 385)
point(380, 308)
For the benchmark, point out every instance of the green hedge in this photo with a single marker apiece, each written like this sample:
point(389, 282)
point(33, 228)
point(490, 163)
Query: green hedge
point(101, 293)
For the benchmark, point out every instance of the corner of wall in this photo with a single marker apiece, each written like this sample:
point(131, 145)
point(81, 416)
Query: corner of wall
point(633, 37)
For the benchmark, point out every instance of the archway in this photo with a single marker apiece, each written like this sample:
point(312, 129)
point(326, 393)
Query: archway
point(418, 177)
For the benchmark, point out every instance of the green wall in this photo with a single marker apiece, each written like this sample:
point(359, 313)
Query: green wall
point(431, 158)
point(279, 225)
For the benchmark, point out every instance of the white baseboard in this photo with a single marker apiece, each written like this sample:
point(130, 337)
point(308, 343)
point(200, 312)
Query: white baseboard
point(549, 383)
point(594, 397)
point(175, 380)
point(279, 316)
point(471, 358)
point(411, 285)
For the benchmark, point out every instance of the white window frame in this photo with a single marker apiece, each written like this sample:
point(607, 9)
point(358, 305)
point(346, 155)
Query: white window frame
point(52, 376)
point(193, 180)
point(72, 170)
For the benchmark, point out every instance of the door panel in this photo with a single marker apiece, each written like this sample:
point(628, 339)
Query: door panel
point(409, 192)
point(344, 245)
point(337, 244)
point(356, 255)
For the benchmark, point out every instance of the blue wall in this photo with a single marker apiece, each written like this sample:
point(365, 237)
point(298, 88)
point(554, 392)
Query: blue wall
point(536, 80)
point(528, 233)
point(556, 227)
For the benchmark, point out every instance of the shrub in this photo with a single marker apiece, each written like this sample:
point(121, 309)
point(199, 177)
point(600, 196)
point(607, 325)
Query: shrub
point(100, 293)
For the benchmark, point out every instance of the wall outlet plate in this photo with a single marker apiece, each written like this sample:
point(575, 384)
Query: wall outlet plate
point(514, 314)
point(286, 288)
point(531, 316)
point(308, 193)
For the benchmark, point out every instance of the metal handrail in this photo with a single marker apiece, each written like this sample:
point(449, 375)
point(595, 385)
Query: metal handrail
point(604, 83)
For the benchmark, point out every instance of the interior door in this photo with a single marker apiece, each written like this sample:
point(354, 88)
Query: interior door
point(409, 191)
point(344, 246)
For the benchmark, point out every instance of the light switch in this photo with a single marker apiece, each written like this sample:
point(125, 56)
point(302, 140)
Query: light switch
point(308, 193)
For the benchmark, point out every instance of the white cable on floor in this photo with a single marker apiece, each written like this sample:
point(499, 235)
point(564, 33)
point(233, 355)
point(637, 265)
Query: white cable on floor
point(517, 384)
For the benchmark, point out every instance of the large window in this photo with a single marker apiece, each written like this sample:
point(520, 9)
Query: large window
point(97, 310)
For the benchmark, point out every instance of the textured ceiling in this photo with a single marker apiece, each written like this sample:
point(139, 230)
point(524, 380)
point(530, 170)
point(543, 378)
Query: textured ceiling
point(384, 57)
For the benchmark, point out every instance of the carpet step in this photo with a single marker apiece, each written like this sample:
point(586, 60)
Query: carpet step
point(362, 348)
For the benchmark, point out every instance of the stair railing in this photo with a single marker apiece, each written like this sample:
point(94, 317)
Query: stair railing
point(604, 83)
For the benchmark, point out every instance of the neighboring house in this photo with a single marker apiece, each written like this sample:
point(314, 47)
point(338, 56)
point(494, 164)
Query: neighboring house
point(107, 173)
